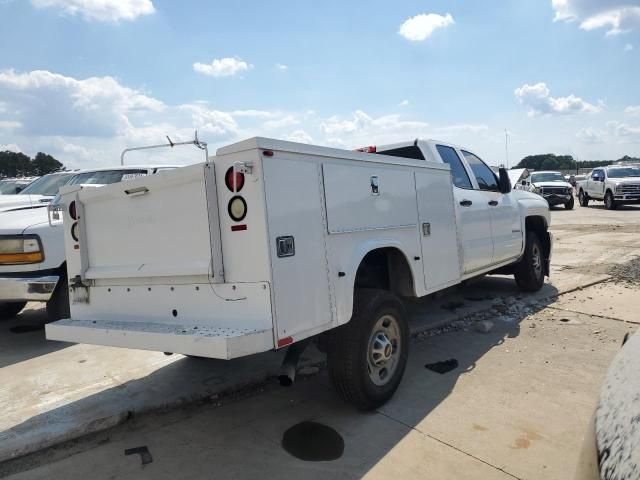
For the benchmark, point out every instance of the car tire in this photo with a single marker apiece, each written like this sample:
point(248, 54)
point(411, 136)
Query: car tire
point(58, 304)
point(609, 201)
point(583, 199)
point(570, 204)
point(529, 271)
point(10, 309)
point(367, 356)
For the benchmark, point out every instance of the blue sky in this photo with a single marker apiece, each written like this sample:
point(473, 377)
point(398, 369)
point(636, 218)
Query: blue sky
point(82, 79)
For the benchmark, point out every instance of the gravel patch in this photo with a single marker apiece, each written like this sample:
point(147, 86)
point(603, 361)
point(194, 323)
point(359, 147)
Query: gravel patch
point(627, 272)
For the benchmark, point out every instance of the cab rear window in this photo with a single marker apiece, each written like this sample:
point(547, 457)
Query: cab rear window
point(412, 151)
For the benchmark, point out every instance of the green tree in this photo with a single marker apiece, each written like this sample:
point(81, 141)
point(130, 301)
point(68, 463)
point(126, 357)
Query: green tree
point(17, 164)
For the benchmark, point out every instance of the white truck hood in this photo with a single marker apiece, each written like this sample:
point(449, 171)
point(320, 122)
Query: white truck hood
point(16, 222)
point(11, 202)
point(551, 184)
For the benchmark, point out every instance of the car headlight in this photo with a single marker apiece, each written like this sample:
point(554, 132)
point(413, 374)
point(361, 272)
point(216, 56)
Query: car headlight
point(536, 190)
point(20, 249)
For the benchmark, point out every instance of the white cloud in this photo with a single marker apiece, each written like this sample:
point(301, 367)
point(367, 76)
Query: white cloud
point(539, 101)
point(420, 27)
point(630, 133)
point(10, 147)
point(222, 67)
point(214, 123)
point(628, 47)
point(9, 124)
point(255, 113)
point(632, 110)
point(299, 136)
point(285, 121)
point(281, 66)
point(461, 129)
point(403, 103)
point(48, 103)
point(591, 135)
point(618, 16)
point(100, 10)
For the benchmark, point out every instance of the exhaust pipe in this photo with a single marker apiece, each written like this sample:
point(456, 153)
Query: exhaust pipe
point(290, 363)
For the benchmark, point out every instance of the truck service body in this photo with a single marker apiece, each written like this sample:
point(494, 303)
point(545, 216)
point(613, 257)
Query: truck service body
point(271, 243)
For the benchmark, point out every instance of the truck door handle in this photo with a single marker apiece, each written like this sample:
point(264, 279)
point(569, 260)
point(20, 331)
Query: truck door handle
point(493, 203)
point(466, 203)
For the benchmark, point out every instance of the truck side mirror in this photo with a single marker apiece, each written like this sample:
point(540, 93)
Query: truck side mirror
point(504, 183)
point(19, 188)
point(524, 183)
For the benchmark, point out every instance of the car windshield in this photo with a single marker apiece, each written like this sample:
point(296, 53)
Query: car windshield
point(547, 177)
point(8, 187)
point(47, 185)
point(103, 177)
point(622, 172)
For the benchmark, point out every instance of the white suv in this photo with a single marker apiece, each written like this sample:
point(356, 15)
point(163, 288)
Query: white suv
point(32, 257)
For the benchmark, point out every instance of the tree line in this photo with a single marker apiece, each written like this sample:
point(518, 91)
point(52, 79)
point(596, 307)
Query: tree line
point(550, 161)
point(17, 164)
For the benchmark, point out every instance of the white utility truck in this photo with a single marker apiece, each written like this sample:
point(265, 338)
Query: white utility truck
point(271, 243)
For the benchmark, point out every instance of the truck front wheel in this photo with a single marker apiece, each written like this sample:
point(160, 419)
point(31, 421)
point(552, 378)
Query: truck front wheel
point(609, 202)
point(10, 309)
point(569, 204)
point(529, 271)
point(583, 199)
point(368, 355)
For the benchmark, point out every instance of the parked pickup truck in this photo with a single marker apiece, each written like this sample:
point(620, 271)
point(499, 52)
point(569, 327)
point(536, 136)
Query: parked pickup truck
point(615, 185)
point(552, 186)
point(37, 193)
point(270, 243)
point(32, 258)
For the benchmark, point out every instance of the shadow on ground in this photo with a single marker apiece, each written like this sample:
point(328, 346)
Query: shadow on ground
point(420, 393)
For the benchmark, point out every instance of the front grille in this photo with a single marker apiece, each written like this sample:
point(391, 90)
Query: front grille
point(633, 188)
point(556, 190)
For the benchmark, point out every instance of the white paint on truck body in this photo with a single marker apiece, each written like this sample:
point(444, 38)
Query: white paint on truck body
point(157, 269)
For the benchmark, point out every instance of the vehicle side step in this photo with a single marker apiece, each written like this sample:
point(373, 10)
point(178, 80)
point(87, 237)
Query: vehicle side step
point(197, 340)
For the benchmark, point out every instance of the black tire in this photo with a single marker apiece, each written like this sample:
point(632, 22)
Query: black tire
point(570, 204)
point(609, 201)
point(583, 199)
point(353, 348)
point(58, 304)
point(10, 309)
point(529, 271)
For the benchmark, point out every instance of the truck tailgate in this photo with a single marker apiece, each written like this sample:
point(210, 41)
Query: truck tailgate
point(152, 226)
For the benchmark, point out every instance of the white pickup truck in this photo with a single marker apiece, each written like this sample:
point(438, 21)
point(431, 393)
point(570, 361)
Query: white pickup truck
point(615, 185)
point(37, 193)
point(32, 257)
point(551, 186)
point(272, 243)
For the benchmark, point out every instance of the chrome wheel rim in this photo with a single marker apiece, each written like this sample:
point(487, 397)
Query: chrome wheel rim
point(536, 260)
point(384, 350)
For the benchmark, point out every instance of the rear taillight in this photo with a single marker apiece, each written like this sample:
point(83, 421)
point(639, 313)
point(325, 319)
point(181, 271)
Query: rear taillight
point(72, 210)
point(234, 180)
point(237, 208)
point(74, 232)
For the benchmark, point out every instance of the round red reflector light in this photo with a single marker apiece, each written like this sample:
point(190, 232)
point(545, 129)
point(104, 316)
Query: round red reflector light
point(74, 232)
point(234, 180)
point(72, 210)
point(237, 208)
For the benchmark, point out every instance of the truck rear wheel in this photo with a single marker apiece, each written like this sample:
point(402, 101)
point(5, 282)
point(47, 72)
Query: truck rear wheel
point(10, 309)
point(367, 356)
point(609, 202)
point(529, 271)
point(58, 304)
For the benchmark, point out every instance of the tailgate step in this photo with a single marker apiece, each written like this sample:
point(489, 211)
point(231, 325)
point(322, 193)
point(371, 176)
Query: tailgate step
point(198, 340)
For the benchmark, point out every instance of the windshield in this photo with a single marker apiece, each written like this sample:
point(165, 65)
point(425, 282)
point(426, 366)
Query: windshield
point(8, 187)
point(624, 172)
point(547, 177)
point(47, 185)
point(104, 177)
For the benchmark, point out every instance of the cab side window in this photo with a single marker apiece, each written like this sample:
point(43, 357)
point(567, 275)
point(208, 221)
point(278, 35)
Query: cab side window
point(484, 175)
point(458, 173)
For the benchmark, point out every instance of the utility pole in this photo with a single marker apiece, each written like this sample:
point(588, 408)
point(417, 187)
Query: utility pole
point(506, 147)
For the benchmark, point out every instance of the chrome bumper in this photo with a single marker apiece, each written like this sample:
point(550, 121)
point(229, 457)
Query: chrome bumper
point(38, 289)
